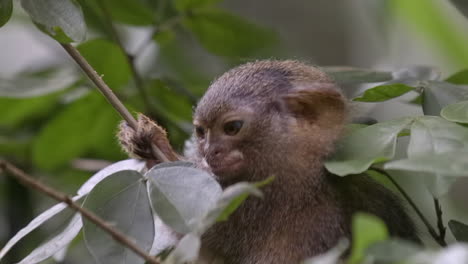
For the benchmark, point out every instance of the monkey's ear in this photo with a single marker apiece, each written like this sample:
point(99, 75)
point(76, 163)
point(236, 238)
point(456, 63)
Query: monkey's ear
point(321, 103)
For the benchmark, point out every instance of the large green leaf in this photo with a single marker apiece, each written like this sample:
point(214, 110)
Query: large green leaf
point(457, 112)
point(16, 112)
point(227, 35)
point(436, 151)
point(108, 61)
point(383, 92)
point(363, 147)
point(32, 84)
point(185, 5)
point(133, 12)
point(459, 230)
point(350, 75)
point(460, 77)
point(6, 9)
point(68, 134)
point(63, 20)
point(182, 195)
point(120, 199)
point(367, 229)
point(437, 95)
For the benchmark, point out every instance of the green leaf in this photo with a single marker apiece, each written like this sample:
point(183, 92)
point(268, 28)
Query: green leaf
point(119, 199)
point(384, 92)
point(392, 251)
point(55, 244)
point(16, 112)
point(350, 75)
point(457, 112)
point(185, 5)
point(227, 35)
point(35, 223)
point(432, 144)
point(459, 230)
point(57, 17)
point(67, 135)
point(447, 164)
point(6, 9)
point(433, 20)
point(437, 95)
point(367, 230)
point(181, 195)
point(132, 12)
point(108, 60)
point(460, 77)
point(176, 106)
point(380, 140)
point(32, 84)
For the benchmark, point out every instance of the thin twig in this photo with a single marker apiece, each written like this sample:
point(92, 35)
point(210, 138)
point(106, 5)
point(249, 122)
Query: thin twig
point(27, 180)
point(130, 59)
point(101, 85)
point(428, 225)
point(440, 222)
point(108, 94)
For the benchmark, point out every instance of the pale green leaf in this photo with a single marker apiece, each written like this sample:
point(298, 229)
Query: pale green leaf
point(57, 17)
point(457, 112)
point(379, 141)
point(437, 95)
point(120, 199)
point(181, 195)
point(186, 251)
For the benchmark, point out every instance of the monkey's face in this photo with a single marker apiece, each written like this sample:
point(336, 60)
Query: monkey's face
point(223, 141)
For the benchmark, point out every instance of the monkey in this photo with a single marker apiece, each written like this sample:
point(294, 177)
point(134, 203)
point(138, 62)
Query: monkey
point(281, 119)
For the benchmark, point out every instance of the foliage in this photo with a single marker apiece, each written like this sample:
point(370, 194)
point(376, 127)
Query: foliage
point(52, 117)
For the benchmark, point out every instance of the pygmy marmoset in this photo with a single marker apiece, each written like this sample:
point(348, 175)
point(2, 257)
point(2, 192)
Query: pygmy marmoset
point(281, 119)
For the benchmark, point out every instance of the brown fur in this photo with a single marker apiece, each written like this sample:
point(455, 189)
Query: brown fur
point(299, 113)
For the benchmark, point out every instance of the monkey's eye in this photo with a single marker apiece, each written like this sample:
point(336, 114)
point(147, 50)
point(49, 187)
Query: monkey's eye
point(200, 131)
point(233, 127)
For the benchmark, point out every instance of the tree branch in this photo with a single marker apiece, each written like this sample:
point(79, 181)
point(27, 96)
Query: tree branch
point(440, 222)
point(428, 225)
point(28, 181)
point(109, 95)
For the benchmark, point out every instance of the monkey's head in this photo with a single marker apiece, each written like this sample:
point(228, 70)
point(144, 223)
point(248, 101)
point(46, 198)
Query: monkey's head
point(265, 117)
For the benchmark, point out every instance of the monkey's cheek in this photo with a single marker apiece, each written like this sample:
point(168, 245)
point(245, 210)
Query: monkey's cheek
point(231, 165)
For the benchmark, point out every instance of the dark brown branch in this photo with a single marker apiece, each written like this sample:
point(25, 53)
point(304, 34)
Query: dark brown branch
point(428, 225)
point(107, 92)
point(440, 222)
point(28, 181)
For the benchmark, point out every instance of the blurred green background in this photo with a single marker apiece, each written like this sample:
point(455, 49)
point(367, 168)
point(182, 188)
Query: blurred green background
point(159, 56)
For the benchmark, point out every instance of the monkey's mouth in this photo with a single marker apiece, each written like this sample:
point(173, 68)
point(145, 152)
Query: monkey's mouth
point(229, 165)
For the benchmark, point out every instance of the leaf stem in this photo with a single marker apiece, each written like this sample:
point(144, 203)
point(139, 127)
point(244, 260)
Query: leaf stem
point(29, 181)
point(109, 95)
point(440, 223)
point(428, 225)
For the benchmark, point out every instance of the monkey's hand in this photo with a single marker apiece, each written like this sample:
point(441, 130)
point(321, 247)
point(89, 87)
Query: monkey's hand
point(137, 143)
